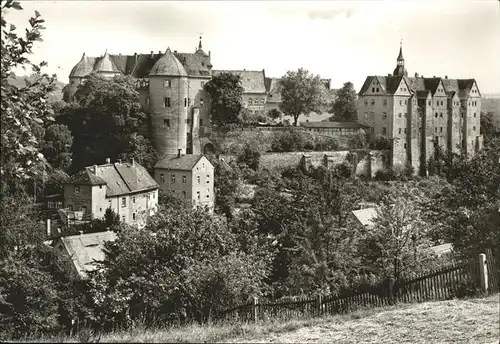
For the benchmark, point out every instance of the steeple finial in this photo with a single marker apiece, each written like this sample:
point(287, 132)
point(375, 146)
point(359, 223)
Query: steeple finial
point(199, 44)
point(400, 56)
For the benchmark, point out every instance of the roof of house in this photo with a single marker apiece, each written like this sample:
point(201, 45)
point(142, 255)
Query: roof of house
point(140, 65)
point(183, 163)
point(168, 64)
point(119, 178)
point(331, 124)
point(252, 81)
point(85, 249)
point(365, 216)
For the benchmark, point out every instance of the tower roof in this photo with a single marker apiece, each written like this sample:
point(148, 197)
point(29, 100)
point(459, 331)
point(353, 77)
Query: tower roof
point(400, 56)
point(106, 65)
point(82, 68)
point(168, 64)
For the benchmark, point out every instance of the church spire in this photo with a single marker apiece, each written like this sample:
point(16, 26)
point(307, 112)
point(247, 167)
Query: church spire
point(400, 68)
point(199, 44)
point(401, 60)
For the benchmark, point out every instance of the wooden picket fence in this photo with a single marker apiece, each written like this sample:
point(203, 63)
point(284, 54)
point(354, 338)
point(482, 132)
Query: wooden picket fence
point(454, 281)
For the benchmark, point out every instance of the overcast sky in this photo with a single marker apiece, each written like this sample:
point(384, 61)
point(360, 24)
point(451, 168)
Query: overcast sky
point(344, 41)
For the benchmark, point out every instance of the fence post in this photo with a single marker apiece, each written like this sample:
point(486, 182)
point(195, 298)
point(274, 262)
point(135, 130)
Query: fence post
point(255, 308)
point(483, 273)
point(318, 305)
point(391, 290)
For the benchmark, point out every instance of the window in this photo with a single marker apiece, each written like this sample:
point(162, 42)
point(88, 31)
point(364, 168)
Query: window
point(440, 129)
point(185, 102)
point(133, 199)
point(406, 102)
point(162, 177)
point(184, 179)
point(384, 115)
point(405, 131)
point(70, 207)
point(474, 114)
point(377, 89)
point(77, 189)
point(124, 202)
point(184, 193)
point(399, 131)
point(123, 218)
point(100, 209)
point(436, 115)
point(385, 102)
point(166, 102)
point(435, 129)
point(166, 122)
point(250, 101)
point(373, 89)
point(167, 83)
point(404, 146)
point(399, 115)
point(100, 187)
point(366, 102)
point(172, 179)
point(202, 84)
point(441, 114)
point(133, 216)
point(384, 130)
point(198, 179)
point(373, 102)
point(400, 102)
point(201, 121)
point(474, 128)
point(201, 101)
point(208, 193)
point(189, 101)
point(198, 195)
point(208, 179)
point(429, 103)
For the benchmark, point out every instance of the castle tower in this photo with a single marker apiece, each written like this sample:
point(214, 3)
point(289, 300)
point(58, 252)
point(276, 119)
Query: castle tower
point(106, 67)
point(83, 68)
point(168, 92)
point(400, 68)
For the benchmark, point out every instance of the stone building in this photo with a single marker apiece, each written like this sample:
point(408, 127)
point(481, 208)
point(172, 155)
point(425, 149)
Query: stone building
point(127, 188)
point(416, 113)
point(170, 84)
point(190, 176)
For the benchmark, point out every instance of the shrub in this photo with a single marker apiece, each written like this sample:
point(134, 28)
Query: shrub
point(288, 141)
point(250, 157)
point(380, 142)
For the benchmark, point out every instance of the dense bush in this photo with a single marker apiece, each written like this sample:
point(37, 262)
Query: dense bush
point(250, 157)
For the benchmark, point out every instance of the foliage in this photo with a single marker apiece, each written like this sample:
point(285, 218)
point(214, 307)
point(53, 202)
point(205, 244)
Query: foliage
point(226, 182)
point(344, 106)
point(57, 146)
point(22, 108)
point(488, 127)
point(105, 122)
point(301, 93)
point(380, 142)
point(274, 114)
point(250, 157)
point(358, 140)
point(172, 200)
point(225, 93)
point(396, 244)
point(183, 261)
point(288, 141)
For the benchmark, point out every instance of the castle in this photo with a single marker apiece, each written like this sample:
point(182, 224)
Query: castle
point(170, 84)
point(416, 113)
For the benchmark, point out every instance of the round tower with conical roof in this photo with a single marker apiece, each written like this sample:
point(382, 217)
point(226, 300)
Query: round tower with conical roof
point(168, 94)
point(106, 67)
point(83, 68)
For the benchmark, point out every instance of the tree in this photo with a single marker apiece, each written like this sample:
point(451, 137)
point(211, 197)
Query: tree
point(301, 93)
point(397, 243)
point(358, 140)
point(344, 106)
point(225, 93)
point(21, 107)
point(105, 121)
point(250, 157)
point(275, 114)
point(57, 146)
point(487, 125)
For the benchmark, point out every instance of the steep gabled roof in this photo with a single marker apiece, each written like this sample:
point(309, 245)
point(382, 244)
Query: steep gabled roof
point(85, 177)
point(183, 163)
point(193, 63)
point(252, 81)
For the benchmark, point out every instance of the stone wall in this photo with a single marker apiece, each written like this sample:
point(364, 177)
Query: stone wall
point(368, 165)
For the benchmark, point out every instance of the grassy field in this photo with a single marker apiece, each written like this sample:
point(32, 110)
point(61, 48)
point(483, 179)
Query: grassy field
point(454, 321)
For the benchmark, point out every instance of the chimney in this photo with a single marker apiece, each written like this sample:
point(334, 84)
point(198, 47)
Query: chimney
point(159, 52)
point(179, 153)
point(416, 75)
point(95, 169)
point(152, 53)
point(108, 161)
point(48, 228)
point(209, 53)
point(446, 76)
point(389, 74)
point(175, 51)
point(119, 161)
point(133, 162)
point(81, 232)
